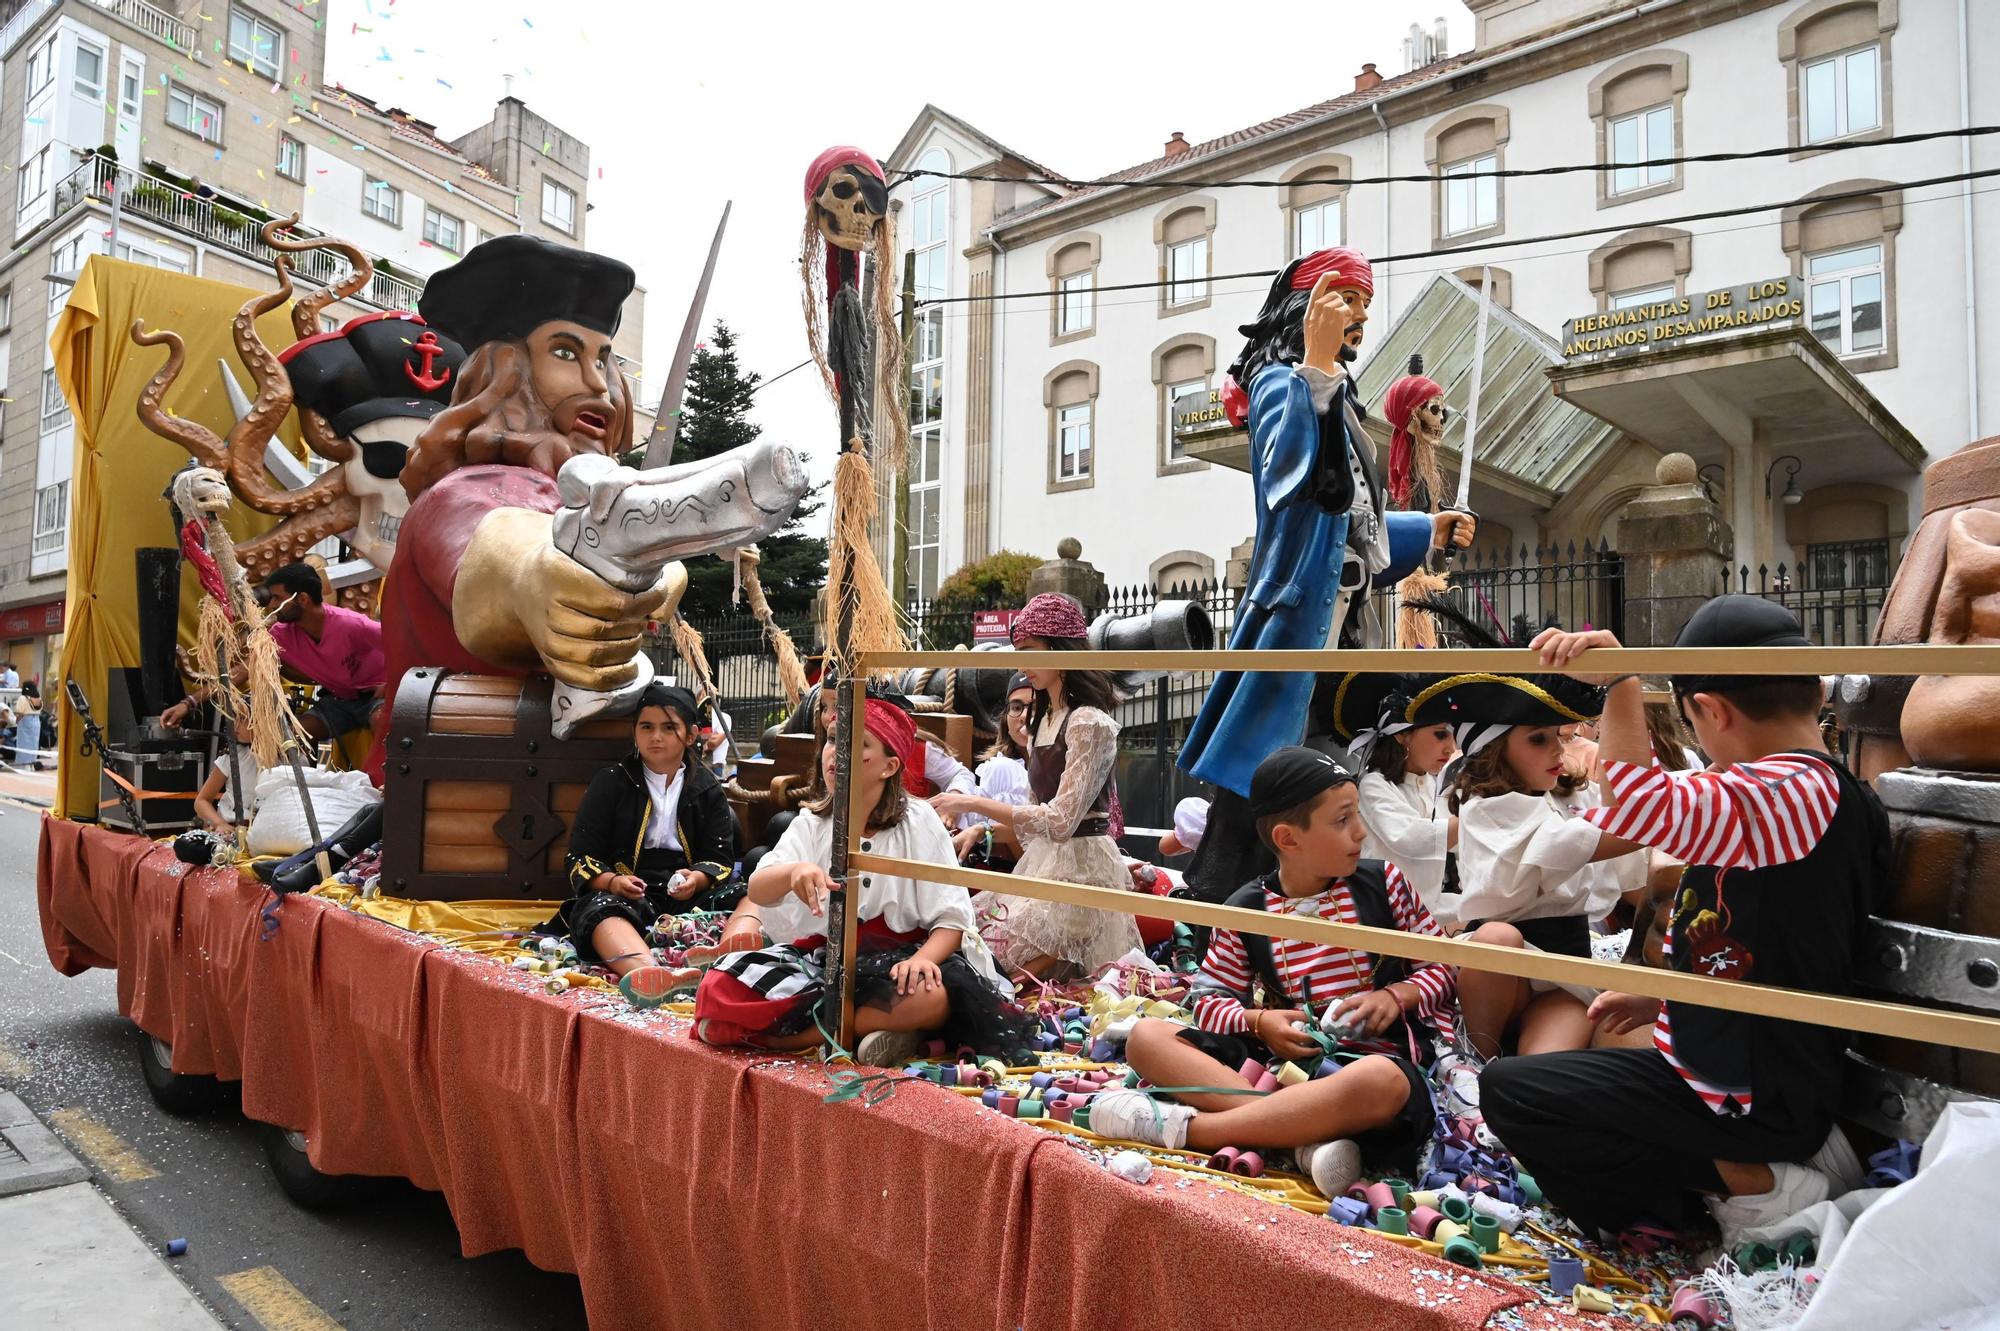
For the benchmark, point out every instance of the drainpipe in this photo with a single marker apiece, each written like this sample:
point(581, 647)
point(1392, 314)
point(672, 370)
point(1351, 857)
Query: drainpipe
point(1965, 204)
point(1388, 240)
point(997, 400)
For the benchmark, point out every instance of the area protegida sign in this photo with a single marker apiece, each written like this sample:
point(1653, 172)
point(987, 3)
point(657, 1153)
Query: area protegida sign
point(1662, 323)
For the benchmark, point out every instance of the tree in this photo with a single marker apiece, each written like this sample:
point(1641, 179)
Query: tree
point(715, 417)
point(1000, 579)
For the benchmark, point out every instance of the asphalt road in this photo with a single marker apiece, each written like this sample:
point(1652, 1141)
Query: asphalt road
point(390, 1263)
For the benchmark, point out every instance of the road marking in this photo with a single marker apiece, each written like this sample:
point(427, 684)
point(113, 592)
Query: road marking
point(276, 1302)
point(112, 1154)
point(12, 1065)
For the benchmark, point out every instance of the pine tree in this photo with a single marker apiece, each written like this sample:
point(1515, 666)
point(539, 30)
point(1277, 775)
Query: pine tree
point(715, 417)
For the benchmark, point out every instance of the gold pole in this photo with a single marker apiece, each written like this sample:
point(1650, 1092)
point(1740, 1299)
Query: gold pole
point(1910, 660)
point(1856, 1014)
point(857, 826)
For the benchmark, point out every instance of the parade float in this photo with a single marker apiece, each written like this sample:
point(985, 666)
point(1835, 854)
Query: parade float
point(403, 1019)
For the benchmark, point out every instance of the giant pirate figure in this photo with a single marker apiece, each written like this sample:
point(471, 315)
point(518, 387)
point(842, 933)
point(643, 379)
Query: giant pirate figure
point(1325, 537)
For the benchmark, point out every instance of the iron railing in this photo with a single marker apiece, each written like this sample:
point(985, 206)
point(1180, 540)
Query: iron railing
point(214, 221)
point(1836, 599)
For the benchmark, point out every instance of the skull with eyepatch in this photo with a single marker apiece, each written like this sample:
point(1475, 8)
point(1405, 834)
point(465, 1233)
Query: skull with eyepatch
point(849, 205)
point(376, 382)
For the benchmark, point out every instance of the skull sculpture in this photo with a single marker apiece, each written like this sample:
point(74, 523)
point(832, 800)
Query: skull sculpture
point(200, 492)
point(373, 473)
point(850, 206)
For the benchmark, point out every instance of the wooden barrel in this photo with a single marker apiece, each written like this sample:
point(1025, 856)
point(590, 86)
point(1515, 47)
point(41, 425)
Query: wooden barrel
point(1938, 944)
point(478, 794)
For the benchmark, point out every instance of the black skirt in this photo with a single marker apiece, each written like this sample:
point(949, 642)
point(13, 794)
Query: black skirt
point(979, 1019)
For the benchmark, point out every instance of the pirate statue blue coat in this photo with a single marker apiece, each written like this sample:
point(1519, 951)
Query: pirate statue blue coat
point(1325, 536)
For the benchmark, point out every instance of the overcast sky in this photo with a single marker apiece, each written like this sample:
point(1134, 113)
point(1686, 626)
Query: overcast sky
point(686, 105)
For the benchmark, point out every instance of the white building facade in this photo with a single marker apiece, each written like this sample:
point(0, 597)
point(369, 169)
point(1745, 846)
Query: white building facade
point(1055, 410)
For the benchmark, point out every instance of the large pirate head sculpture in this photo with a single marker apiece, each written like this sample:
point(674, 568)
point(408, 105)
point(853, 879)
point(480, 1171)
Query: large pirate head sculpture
point(849, 197)
point(1278, 335)
point(374, 382)
point(357, 409)
point(541, 384)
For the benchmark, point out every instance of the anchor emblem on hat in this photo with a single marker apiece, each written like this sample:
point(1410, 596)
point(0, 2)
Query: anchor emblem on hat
point(428, 349)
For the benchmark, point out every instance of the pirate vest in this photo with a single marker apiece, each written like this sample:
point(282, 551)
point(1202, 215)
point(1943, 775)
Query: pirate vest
point(1795, 925)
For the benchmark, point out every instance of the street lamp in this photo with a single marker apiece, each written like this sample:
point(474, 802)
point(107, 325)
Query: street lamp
point(1709, 484)
point(1792, 494)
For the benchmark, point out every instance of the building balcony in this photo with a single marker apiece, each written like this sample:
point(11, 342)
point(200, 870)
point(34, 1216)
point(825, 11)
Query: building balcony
point(216, 223)
point(155, 23)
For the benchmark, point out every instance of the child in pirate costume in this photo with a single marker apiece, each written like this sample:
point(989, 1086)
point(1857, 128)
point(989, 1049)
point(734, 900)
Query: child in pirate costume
point(1068, 832)
point(1398, 732)
point(1531, 872)
point(653, 836)
point(1787, 854)
point(922, 968)
point(1376, 1110)
point(1003, 776)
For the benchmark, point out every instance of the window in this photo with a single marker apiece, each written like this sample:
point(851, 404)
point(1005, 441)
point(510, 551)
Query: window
point(1073, 446)
point(1187, 269)
point(89, 71)
point(1182, 369)
point(559, 206)
point(161, 258)
point(1838, 56)
point(1625, 300)
point(34, 175)
point(1180, 396)
point(194, 113)
point(1316, 227)
point(1471, 202)
point(1645, 137)
point(1070, 393)
point(382, 201)
point(131, 81)
point(67, 259)
point(55, 407)
point(6, 308)
point(254, 42)
point(1844, 299)
point(1842, 95)
point(930, 225)
point(291, 158)
point(1077, 303)
point(442, 229)
point(41, 69)
point(1848, 563)
point(51, 519)
point(329, 323)
point(1641, 266)
point(1072, 268)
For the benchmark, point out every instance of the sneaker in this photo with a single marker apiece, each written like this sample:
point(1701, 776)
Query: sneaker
point(887, 1049)
point(1837, 1160)
point(1334, 1166)
point(1458, 1077)
point(1135, 1116)
point(650, 986)
point(1796, 1187)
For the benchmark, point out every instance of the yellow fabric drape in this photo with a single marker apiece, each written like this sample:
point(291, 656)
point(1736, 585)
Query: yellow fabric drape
point(121, 468)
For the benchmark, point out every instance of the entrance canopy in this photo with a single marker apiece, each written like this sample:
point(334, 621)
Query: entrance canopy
point(1779, 387)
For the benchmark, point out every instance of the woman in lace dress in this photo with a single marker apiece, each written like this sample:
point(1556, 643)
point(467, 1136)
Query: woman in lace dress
point(1066, 832)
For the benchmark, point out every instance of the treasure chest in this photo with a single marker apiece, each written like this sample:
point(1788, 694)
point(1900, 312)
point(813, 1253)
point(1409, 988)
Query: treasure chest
point(478, 795)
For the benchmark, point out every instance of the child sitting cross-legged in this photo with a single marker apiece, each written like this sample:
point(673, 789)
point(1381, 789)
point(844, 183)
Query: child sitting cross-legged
point(922, 969)
point(1376, 1110)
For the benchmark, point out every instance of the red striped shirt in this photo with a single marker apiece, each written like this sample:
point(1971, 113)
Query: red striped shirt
point(1324, 972)
point(1749, 816)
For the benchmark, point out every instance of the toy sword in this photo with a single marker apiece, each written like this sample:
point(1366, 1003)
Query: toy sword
point(1463, 504)
point(660, 442)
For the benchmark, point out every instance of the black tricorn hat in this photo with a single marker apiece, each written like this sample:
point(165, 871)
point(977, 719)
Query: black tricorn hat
point(372, 367)
point(510, 285)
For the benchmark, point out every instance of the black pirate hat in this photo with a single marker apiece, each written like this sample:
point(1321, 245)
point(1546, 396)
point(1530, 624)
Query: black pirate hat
point(1366, 707)
point(376, 366)
point(510, 285)
point(1480, 706)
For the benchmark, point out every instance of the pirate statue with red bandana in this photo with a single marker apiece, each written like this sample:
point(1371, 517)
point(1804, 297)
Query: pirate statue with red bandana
point(1325, 535)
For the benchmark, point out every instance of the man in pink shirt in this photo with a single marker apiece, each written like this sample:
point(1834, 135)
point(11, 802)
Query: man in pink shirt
point(338, 649)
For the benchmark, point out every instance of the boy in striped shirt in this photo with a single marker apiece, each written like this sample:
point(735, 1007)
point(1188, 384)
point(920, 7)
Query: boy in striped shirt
point(1251, 990)
point(1786, 853)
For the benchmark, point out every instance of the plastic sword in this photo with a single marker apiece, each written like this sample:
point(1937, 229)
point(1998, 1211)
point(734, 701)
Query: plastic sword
point(1463, 504)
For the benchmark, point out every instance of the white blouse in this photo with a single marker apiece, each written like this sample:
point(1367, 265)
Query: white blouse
point(1091, 751)
point(1410, 827)
point(1527, 857)
point(663, 828)
point(902, 904)
point(1004, 779)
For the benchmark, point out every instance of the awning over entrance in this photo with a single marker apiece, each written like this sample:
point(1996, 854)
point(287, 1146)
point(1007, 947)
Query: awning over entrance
point(1776, 387)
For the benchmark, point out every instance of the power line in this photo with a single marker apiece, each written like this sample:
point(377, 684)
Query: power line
point(774, 378)
point(1114, 182)
point(1487, 246)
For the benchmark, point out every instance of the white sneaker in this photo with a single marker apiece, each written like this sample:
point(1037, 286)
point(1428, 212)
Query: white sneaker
point(1134, 1116)
point(886, 1049)
point(1334, 1166)
point(1837, 1160)
point(1796, 1187)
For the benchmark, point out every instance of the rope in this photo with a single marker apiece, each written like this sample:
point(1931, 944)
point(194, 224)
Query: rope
point(791, 670)
point(737, 792)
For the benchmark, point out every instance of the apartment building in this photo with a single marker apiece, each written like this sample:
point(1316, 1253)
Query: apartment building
point(166, 134)
point(1062, 407)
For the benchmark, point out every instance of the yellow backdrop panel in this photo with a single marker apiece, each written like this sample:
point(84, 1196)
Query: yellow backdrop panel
point(121, 467)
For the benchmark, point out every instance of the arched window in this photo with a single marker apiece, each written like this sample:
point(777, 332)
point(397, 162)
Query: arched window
point(1314, 199)
point(1636, 104)
point(1073, 284)
point(1845, 250)
point(1183, 230)
point(1836, 58)
point(930, 231)
point(1465, 204)
point(1183, 382)
point(1640, 267)
point(1069, 391)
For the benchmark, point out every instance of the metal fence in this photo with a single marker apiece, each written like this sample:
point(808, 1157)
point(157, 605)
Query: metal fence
point(1837, 601)
point(745, 669)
